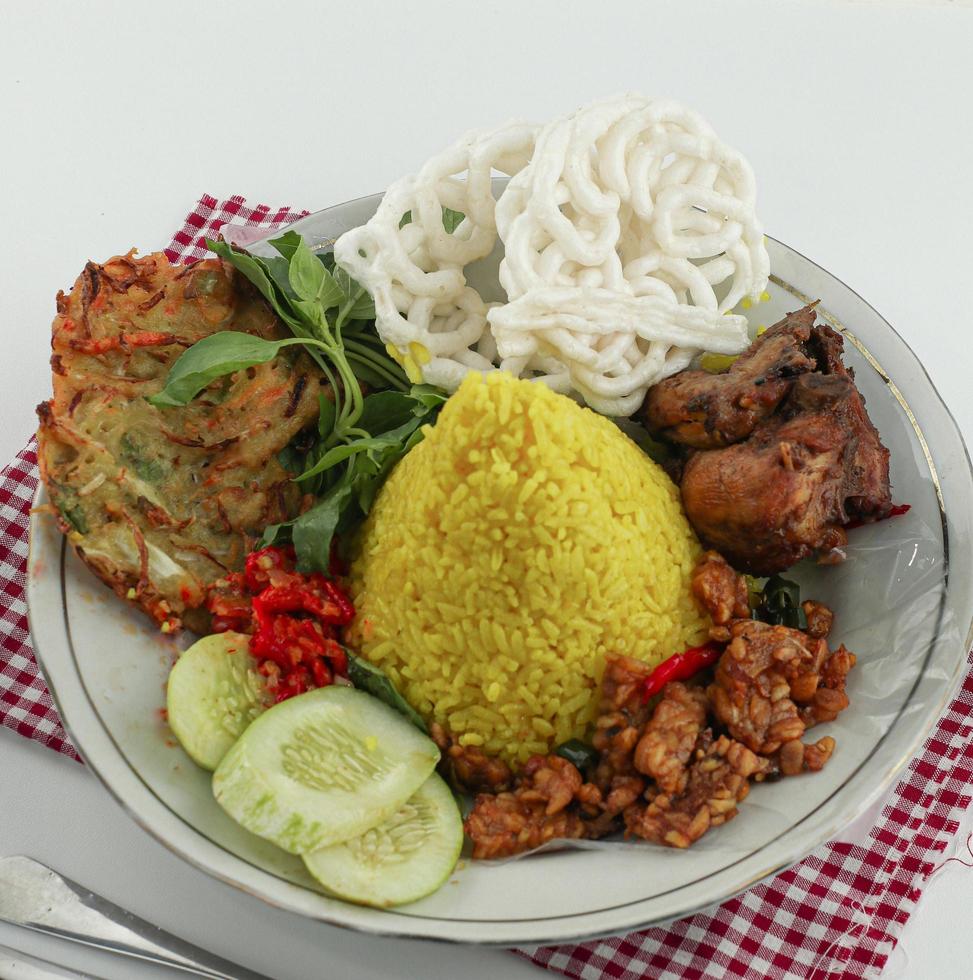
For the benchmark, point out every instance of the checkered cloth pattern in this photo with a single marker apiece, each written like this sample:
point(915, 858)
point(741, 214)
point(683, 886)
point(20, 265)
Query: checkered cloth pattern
point(25, 703)
point(208, 217)
point(834, 916)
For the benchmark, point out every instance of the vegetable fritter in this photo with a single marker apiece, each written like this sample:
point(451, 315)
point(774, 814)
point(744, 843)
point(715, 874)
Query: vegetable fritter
point(161, 503)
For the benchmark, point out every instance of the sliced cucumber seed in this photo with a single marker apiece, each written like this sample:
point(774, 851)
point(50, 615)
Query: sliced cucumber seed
point(401, 860)
point(308, 758)
point(213, 694)
point(395, 841)
point(322, 768)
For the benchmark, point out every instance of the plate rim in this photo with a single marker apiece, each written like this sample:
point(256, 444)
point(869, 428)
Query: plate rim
point(840, 820)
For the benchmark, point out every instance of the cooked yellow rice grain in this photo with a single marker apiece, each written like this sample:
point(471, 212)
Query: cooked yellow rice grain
point(514, 548)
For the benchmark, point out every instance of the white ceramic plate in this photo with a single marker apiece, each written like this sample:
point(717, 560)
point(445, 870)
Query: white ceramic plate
point(903, 601)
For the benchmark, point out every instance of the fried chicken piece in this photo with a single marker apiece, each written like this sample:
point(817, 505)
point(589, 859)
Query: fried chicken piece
point(788, 453)
point(707, 411)
point(717, 780)
point(163, 503)
point(787, 492)
point(720, 589)
point(468, 768)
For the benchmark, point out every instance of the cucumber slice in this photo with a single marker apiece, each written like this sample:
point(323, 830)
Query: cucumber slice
point(214, 692)
point(322, 768)
point(401, 860)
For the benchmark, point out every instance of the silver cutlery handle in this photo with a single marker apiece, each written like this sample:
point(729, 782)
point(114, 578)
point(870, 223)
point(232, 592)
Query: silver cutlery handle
point(15, 965)
point(38, 898)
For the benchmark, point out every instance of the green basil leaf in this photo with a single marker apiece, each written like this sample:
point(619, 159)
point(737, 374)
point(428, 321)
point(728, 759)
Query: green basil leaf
point(376, 446)
point(349, 286)
point(366, 491)
point(363, 308)
point(387, 410)
point(287, 244)
point(780, 604)
point(357, 304)
point(212, 357)
point(312, 313)
point(278, 270)
point(276, 534)
point(369, 678)
point(414, 439)
point(311, 281)
point(313, 530)
point(326, 416)
point(428, 396)
point(657, 451)
point(257, 272)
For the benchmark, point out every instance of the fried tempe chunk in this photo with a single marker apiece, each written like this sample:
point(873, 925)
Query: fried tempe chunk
point(716, 781)
point(622, 714)
point(161, 503)
point(468, 767)
point(661, 772)
point(670, 736)
point(706, 411)
point(772, 684)
point(819, 618)
point(536, 812)
point(720, 590)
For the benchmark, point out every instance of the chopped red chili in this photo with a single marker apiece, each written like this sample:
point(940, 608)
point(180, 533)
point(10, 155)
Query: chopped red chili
point(293, 618)
point(680, 667)
point(897, 511)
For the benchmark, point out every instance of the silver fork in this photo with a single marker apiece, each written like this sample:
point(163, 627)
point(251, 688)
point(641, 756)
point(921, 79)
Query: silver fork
point(36, 897)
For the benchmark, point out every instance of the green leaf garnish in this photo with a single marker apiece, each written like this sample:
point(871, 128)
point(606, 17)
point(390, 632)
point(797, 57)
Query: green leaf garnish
point(581, 755)
point(779, 604)
point(367, 677)
point(359, 437)
point(213, 357)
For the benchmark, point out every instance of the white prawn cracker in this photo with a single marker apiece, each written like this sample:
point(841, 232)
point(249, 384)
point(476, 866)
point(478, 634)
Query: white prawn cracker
point(629, 233)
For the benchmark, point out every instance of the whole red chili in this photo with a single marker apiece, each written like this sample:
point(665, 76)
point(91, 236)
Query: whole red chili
point(680, 667)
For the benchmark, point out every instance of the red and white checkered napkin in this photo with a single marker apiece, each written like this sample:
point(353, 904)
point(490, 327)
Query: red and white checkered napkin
point(837, 914)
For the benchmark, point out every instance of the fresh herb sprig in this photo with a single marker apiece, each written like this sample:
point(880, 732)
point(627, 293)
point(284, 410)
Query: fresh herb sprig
point(393, 423)
point(359, 437)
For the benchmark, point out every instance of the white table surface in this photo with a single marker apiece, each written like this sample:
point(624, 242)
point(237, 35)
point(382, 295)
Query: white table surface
point(115, 117)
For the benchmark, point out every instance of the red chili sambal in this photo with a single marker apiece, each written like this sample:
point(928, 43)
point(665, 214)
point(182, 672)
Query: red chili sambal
point(293, 620)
